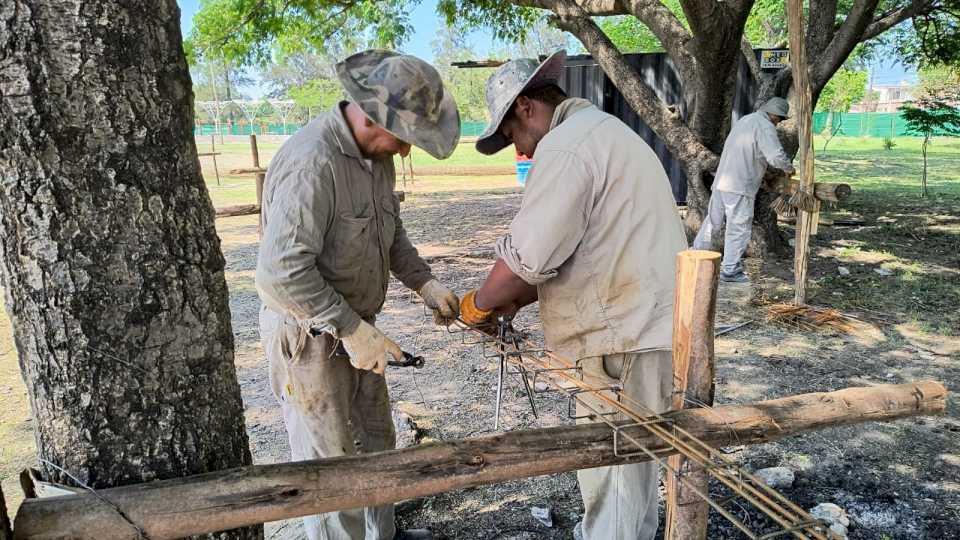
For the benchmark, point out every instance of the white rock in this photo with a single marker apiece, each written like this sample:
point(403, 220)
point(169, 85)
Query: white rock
point(844, 271)
point(839, 530)
point(543, 515)
point(541, 386)
point(883, 272)
point(830, 513)
point(776, 477)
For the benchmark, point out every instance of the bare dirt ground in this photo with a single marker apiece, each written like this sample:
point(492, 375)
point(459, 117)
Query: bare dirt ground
point(898, 480)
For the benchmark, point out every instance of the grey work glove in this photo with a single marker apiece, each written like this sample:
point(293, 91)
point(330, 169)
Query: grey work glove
point(442, 301)
point(368, 348)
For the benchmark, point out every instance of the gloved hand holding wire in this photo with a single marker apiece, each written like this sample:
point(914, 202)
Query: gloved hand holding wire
point(442, 301)
point(368, 348)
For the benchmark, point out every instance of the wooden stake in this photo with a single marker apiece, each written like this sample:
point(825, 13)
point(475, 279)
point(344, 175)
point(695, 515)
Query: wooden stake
point(248, 495)
point(694, 309)
point(213, 153)
point(254, 153)
point(804, 118)
point(260, 178)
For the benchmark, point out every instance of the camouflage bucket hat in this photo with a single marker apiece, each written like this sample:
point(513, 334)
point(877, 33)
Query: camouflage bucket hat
point(508, 82)
point(405, 96)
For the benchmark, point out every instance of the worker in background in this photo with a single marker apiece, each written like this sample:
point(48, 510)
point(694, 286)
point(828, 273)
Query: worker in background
point(751, 145)
point(332, 235)
point(595, 241)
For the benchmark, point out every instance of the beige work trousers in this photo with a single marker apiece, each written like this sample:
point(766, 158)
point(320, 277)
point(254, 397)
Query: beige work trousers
point(330, 409)
point(620, 502)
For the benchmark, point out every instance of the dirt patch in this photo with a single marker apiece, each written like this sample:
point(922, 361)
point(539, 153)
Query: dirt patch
point(897, 480)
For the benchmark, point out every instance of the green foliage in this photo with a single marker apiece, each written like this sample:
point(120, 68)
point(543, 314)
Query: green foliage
point(931, 38)
point(766, 25)
point(506, 20)
point(889, 143)
point(938, 82)
point(630, 35)
point(252, 32)
point(467, 85)
point(845, 88)
point(929, 117)
point(316, 96)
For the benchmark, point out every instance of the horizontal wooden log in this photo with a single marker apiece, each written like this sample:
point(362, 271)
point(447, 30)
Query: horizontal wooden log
point(238, 210)
point(825, 191)
point(247, 170)
point(249, 495)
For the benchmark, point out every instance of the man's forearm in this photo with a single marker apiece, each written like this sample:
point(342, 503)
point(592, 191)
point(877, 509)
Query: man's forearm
point(503, 289)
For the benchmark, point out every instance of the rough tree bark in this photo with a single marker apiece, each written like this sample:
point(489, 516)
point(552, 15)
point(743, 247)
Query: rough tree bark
point(113, 270)
point(706, 57)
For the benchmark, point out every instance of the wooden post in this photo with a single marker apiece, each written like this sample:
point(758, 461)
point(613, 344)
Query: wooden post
point(806, 221)
point(694, 309)
point(213, 153)
point(6, 533)
point(260, 178)
point(232, 498)
point(259, 182)
point(254, 153)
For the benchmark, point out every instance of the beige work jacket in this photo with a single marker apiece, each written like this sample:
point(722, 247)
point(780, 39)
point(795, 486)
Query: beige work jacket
point(331, 231)
point(598, 233)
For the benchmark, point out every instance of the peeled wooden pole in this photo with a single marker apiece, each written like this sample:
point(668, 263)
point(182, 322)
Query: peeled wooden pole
point(227, 499)
point(806, 221)
point(694, 309)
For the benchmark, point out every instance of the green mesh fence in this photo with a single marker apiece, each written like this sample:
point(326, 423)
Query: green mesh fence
point(860, 124)
point(467, 129)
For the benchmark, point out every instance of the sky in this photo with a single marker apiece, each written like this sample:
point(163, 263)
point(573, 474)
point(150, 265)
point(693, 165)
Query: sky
point(425, 22)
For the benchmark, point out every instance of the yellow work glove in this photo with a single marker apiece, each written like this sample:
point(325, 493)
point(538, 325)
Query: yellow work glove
point(368, 348)
point(470, 313)
point(441, 300)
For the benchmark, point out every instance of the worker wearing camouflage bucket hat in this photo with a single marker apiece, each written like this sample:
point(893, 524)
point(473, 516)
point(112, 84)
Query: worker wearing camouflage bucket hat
point(332, 235)
point(595, 243)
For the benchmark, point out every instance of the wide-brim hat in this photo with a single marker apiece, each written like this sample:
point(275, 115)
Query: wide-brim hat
point(405, 96)
point(509, 81)
point(777, 106)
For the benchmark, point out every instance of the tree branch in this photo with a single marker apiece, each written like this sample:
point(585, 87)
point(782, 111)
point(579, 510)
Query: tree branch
point(593, 8)
point(664, 24)
point(896, 17)
point(847, 36)
point(668, 125)
point(821, 26)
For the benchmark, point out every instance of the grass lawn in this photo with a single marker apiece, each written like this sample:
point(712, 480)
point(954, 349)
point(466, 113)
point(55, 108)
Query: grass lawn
point(915, 239)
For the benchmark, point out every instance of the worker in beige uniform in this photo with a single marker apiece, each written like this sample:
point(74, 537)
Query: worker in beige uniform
point(751, 146)
point(332, 234)
point(595, 242)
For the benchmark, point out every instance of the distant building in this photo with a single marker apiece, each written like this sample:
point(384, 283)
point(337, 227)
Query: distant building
point(886, 98)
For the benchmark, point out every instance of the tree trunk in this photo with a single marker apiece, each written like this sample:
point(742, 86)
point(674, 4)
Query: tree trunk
point(923, 179)
point(113, 270)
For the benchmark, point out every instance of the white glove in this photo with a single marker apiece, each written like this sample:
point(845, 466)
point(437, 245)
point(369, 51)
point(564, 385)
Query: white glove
point(441, 300)
point(368, 348)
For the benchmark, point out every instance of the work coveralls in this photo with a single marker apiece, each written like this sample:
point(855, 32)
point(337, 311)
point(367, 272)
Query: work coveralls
point(331, 235)
point(751, 145)
point(598, 233)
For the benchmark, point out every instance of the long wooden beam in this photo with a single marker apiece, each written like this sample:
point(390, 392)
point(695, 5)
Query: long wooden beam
point(224, 500)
